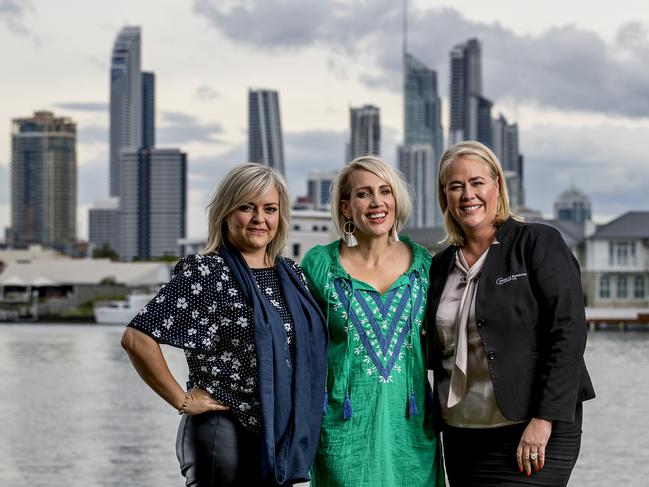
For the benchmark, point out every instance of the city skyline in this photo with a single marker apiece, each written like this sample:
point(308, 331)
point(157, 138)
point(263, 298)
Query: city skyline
point(564, 79)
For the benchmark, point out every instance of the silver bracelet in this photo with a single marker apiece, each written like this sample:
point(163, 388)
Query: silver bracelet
point(181, 411)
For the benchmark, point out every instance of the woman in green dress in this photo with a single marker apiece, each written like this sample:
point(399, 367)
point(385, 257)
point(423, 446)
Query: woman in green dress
point(372, 285)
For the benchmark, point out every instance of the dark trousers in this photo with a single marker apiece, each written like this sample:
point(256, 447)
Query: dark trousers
point(487, 457)
point(223, 453)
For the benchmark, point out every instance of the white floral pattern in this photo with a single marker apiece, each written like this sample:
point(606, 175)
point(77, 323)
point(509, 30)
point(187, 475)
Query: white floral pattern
point(202, 310)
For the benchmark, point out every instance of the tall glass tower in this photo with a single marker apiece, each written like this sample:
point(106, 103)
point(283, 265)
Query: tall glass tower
point(265, 144)
point(365, 132)
point(126, 104)
point(43, 180)
point(470, 111)
point(423, 140)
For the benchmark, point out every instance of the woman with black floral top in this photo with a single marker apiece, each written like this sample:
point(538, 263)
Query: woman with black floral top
point(254, 339)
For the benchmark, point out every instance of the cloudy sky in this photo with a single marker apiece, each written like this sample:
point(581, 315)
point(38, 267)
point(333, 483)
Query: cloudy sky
point(574, 75)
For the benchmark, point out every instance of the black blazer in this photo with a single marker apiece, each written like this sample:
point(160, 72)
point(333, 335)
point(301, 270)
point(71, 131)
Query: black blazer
point(530, 314)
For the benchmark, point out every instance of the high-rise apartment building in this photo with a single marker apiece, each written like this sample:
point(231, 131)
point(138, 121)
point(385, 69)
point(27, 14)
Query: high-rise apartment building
point(417, 163)
point(423, 140)
point(365, 132)
point(153, 202)
point(43, 180)
point(148, 110)
point(505, 146)
point(265, 144)
point(103, 224)
point(126, 103)
point(319, 188)
point(470, 117)
point(422, 106)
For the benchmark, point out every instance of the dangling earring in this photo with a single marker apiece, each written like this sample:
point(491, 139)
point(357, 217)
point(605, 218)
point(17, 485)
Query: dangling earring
point(395, 234)
point(349, 228)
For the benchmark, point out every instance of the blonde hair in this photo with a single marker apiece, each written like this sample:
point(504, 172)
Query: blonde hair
point(341, 191)
point(471, 149)
point(241, 184)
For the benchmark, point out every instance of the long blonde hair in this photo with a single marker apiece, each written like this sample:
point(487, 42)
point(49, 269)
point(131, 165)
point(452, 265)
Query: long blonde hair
point(241, 184)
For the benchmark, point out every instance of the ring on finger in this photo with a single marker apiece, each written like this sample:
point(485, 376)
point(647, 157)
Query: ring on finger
point(534, 456)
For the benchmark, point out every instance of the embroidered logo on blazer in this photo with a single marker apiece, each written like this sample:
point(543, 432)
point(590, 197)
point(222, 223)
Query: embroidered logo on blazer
point(504, 280)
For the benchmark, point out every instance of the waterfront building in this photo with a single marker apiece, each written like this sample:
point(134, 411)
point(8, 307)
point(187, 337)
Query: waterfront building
point(572, 205)
point(126, 105)
point(615, 273)
point(419, 168)
point(43, 181)
point(319, 188)
point(104, 224)
point(365, 132)
point(153, 202)
point(265, 144)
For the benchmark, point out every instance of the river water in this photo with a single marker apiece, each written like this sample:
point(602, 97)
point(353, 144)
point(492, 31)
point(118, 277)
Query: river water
point(75, 414)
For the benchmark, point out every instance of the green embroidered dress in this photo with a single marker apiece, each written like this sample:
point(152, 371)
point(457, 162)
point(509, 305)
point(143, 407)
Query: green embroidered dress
point(377, 373)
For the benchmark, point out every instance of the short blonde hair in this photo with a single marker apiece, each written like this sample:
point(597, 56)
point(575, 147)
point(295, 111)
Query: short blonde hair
point(341, 191)
point(241, 184)
point(471, 149)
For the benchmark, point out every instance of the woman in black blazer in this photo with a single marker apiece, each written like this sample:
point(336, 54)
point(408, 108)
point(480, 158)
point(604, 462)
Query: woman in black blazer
point(508, 334)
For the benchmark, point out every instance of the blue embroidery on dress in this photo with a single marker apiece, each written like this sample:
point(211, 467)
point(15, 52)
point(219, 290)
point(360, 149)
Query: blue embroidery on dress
point(384, 340)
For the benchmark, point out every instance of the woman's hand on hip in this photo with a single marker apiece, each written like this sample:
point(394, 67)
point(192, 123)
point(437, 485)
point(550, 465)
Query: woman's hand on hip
point(530, 454)
point(200, 401)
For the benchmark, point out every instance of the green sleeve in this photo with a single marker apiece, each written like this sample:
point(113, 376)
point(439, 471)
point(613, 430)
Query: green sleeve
point(315, 264)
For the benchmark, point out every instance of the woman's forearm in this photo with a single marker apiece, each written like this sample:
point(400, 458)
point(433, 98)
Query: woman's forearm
point(147, 359)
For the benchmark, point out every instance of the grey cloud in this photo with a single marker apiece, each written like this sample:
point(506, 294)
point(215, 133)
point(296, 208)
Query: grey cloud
point(565, 67)
point(12, 13)
point(606, 162)
point(90, 134)
point(92, 179)
point(181, 128)
point(206, 93)
point(91, 106)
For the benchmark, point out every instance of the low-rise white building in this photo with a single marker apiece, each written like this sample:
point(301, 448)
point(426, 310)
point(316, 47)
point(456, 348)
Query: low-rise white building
point(615, 271)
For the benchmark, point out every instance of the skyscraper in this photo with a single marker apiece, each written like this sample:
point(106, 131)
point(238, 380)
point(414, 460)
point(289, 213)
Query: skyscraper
point(423, 140)
point(365, 132)
point(505, 146)
point(265, 144)
point(126, 104)
point(148, 110)
point(43, 180)
point(417, 163)
point(103, 224)
point(470, 111)
point(319, 188)
point(152, 202)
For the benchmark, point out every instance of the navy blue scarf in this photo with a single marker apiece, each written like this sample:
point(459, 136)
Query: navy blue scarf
point(290, 396)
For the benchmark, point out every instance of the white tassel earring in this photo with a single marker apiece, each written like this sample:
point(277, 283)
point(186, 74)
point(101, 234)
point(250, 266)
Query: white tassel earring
point(349, 228)
point(395, 234)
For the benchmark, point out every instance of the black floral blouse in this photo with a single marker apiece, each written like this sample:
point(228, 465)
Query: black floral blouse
point(203, 311)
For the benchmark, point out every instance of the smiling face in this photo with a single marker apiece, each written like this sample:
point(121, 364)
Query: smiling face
point(252, 226)
point(472, 195)
point(371, 204)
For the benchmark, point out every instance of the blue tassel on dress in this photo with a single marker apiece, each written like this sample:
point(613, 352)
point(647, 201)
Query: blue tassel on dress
point(347, 407)
point(325, 402)
point(413, 405)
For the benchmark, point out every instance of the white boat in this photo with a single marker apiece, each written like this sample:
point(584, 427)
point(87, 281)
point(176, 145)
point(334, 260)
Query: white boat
point(120, 312)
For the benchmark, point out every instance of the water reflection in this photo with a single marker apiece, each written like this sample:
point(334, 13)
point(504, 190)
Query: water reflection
point(76, 414)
